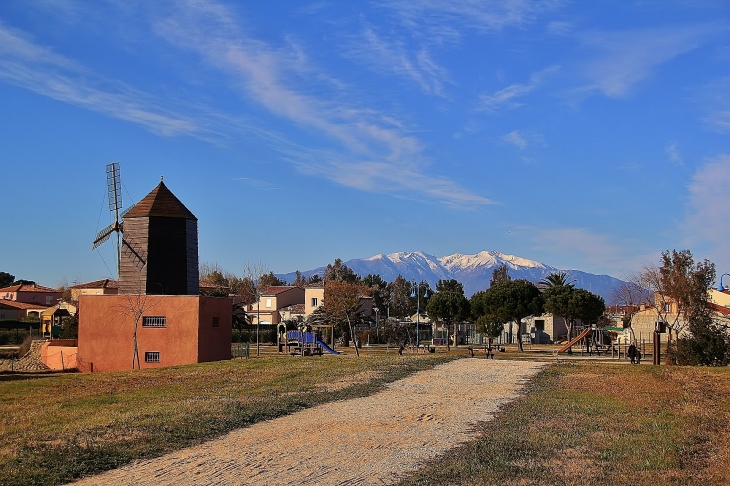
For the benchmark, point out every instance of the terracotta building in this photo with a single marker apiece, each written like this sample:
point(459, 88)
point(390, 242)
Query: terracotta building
point(158, 297)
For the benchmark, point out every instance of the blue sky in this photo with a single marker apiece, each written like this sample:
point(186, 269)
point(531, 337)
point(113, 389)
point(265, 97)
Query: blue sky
point(587, 135)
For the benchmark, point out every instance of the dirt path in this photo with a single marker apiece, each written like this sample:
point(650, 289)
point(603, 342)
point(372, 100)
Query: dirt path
point(372, 440)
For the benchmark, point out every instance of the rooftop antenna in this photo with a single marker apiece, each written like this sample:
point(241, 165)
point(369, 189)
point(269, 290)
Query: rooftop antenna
point(114, 187)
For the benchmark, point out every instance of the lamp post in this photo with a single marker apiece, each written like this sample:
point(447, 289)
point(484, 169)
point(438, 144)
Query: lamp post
point(720, 287)
point(416, 292)
point(377, 334)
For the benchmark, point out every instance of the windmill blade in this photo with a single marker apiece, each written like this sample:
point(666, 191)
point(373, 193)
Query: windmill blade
point(104, 235)
point(114, 185)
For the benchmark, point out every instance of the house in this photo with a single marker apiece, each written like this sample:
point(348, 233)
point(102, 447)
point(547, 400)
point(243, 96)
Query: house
point(31, 294)
point(12, 310)
point(313, 298)
point(97, 287)
point(664, 308)
point(720, 298)
point(158, 297)
point(271, 304)
point(545, 328)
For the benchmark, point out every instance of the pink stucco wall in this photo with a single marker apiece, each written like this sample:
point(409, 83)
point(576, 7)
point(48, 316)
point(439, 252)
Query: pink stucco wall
point(59, 355)
point(106, 328)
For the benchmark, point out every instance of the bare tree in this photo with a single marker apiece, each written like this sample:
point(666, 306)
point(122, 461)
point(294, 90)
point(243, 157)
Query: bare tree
point(678, 284)
point(342, 303)
point(251, 290)
point(628, 298)
point(136, 306)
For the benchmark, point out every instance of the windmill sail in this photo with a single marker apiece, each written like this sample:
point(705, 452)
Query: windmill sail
point(104, 235)
point(114, 189)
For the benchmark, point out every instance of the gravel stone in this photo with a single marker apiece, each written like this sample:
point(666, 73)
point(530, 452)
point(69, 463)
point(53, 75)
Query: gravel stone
point(372, 440)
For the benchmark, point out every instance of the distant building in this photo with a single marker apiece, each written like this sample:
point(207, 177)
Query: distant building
point(97, 287)
point(12, 310)
point(270, 307)
point(31, 294)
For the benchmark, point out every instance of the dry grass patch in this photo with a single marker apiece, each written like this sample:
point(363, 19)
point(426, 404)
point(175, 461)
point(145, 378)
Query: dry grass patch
point(61, 427)
point(589, 423)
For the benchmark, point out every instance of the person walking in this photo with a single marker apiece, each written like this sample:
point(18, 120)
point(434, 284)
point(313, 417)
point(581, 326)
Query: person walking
point(632, 353)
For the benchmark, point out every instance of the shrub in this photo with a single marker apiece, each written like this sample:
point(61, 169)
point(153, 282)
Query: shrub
point(25, 346)
point(11, 337)
point(707, 344)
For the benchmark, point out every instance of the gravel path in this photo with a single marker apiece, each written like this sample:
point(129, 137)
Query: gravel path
point(372, 440)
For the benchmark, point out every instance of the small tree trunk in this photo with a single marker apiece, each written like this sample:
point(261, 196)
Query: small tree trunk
point(354, 336)
point(448, 336)
point(519, 336)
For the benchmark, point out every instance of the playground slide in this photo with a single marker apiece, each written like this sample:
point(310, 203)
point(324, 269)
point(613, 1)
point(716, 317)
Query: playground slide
point(326, 348)
point(575, 340)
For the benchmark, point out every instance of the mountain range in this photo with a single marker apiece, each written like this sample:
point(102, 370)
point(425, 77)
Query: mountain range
point(473, 271)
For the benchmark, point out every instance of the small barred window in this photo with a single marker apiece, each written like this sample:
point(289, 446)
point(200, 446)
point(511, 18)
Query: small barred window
point(154, 321)
point(152, 357)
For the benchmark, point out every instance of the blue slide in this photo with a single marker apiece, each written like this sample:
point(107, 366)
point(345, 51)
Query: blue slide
point(326, 348)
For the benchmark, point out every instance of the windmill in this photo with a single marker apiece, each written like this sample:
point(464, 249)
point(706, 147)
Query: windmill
point(125, 245)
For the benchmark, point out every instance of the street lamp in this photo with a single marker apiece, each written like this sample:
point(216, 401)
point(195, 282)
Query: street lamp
point(416, 292)
point(377, 332)
point(720, 287)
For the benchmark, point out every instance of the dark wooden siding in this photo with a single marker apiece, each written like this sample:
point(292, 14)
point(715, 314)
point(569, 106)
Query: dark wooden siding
point(132, 274)
point(167, 265)
point(193, 276)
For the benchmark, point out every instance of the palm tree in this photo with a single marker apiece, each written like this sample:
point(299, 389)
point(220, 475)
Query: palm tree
point(557, 279)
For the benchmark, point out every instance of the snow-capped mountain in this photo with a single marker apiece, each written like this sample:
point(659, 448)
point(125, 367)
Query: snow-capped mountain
point(473, 271)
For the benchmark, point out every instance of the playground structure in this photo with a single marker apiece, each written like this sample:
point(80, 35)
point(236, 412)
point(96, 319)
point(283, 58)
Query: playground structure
point(591, 340)
point(304, 342)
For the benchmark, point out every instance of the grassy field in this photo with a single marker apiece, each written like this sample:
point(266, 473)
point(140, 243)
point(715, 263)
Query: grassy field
point(60, 427)
point(588, 423)
point(579, 423)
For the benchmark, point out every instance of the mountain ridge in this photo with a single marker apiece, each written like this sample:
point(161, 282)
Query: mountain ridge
point(473, 271)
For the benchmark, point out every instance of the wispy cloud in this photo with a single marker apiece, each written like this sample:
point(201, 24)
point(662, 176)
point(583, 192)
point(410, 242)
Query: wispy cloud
point(393, 57)
point(377, 154)
point(516, 138)
point(628, 57)
point(508, 97)
point(715, 96)
point(672, 151)
point(445, 21)
point(37, 68)
point(708, 210)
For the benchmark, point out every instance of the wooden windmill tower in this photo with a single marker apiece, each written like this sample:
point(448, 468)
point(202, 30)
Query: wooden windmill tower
point(158, 249)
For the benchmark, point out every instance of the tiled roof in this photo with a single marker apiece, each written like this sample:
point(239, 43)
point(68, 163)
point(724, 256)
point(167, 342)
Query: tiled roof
point(278, 289)
point(12, 304)
point(160, 202)
point(295, 309)
point(720, 309)
point(98, 284)
point(28, 288)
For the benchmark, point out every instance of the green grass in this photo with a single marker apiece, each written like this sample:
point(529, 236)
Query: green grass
point(54, 429)
point(590, 423)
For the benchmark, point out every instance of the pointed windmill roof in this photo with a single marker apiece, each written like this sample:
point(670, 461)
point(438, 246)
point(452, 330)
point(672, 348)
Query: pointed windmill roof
point(160, 202)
